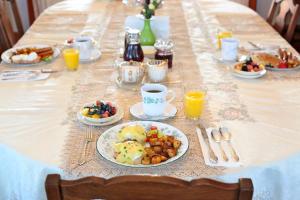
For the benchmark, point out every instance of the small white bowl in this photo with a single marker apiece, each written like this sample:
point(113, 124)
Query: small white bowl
point(100, 120)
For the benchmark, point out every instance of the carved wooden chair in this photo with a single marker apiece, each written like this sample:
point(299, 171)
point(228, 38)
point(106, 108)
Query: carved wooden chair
point(252, 4)
point(145, 188)
point(8, 23)
point(283, 16)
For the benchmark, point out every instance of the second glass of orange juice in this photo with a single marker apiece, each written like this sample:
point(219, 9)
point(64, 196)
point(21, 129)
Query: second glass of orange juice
point(194, 104)
point(71, 57)
point(222, 35)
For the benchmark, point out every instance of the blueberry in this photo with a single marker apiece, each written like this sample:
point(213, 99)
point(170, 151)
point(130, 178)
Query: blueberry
point(248, 60)
point(245, 68)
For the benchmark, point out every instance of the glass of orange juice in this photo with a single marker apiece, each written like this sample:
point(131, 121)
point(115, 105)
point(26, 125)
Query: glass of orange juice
point(194, 101)
point(71, 57)
point(221, 35)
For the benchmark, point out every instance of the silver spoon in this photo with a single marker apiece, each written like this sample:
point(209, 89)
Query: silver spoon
point(216, 135)
point(227, 137)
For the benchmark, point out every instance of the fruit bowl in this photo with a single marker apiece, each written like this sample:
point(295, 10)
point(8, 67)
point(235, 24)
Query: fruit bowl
point(248, 67)
point(99, 112)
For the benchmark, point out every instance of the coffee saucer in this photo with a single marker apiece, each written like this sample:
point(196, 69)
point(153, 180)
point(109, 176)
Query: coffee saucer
point(95, 55)
point(137, 111)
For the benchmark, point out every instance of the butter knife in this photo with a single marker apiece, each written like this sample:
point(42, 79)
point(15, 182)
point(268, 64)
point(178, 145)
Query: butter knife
point(212, 156)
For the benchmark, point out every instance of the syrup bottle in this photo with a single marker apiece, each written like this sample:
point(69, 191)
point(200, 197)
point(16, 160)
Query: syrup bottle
point(133, 50)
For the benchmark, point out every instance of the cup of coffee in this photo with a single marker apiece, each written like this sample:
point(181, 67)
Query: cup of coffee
point(230, 49)
point(155, 98)
point(157, 70)
point(85, 46)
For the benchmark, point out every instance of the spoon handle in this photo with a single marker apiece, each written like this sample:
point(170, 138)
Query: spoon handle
point(233, 152)
point(225, 158)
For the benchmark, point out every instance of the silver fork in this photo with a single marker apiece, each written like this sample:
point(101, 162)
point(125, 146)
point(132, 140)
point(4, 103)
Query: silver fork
point(88, 139)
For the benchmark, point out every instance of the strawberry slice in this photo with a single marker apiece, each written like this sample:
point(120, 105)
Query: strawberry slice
point(283, 65)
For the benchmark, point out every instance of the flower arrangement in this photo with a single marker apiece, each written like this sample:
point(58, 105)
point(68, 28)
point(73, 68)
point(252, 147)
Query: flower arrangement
point(150, 7)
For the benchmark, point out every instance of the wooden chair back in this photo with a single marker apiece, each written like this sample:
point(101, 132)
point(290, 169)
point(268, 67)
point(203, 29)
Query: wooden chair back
point(146, 188)
point(252, 4)
point(6, 22)
point(283, 16)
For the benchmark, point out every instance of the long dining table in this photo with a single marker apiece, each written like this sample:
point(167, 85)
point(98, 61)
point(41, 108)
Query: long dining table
point(38, 118)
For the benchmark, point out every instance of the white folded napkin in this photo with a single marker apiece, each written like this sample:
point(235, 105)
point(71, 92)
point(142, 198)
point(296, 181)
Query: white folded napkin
point(22, 75)
point(160, 25)
point(22, 178)
point(216, 149)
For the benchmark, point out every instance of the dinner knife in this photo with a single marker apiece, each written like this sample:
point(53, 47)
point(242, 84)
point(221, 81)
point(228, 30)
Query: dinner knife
point(212, 156)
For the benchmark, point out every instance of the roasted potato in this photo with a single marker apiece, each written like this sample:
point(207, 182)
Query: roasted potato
point(170, 139)
point(176, 144)
point(171, 152)
point(157, 149)
point(146, 160)
point(155, 142)
point(156, 159)
point(149, 151)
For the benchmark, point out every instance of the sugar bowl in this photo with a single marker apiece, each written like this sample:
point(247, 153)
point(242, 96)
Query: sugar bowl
point(130, 72)
point(157, 70)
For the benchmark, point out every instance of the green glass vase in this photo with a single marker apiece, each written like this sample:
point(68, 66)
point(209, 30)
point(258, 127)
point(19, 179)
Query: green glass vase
point(147, 35)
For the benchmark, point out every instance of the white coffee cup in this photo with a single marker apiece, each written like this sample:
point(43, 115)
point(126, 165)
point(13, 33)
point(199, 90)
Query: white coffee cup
point(85, 46)
point(230, 49)
point(155, 99)
point(157, 70)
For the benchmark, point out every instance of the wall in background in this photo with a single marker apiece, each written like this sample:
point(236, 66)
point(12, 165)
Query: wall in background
point(263, 7)
point(22, 6)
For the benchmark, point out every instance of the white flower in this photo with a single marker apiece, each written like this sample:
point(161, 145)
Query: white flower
point(151, 6)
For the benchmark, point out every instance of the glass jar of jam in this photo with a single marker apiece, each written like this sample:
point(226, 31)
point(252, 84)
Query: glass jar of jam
point(164, 51)
point(133, 50)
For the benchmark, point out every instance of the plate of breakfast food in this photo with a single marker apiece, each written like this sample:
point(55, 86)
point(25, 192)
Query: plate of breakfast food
point(284, 60)
point(29, 55)
point(142, 144)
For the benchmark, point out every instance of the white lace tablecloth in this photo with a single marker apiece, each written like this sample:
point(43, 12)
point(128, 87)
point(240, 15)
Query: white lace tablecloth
point(38, 118)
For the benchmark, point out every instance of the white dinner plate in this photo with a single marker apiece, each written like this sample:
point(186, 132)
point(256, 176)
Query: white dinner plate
point(137, 111)
point(8, 53)
point(106, 141)
point(282, 69)
point(261, 74)
point(115, 120)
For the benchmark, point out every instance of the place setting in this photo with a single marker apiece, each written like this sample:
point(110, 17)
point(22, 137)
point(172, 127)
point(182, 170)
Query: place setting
point(88, 47)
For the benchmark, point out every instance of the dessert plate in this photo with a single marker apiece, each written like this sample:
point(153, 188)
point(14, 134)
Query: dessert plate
point(106, 141)
point(137, 111)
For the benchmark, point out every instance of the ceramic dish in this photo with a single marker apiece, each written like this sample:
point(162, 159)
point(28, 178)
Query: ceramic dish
point(95, 55)
point(100, 120)
point(261, 74)
point(282, 69)
point(115, 120)
point(137, 111)
point(106, 141)
point(8, 53)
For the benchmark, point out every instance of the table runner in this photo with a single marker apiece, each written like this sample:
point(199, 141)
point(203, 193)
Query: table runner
point(98, 82)
point(193, 30)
